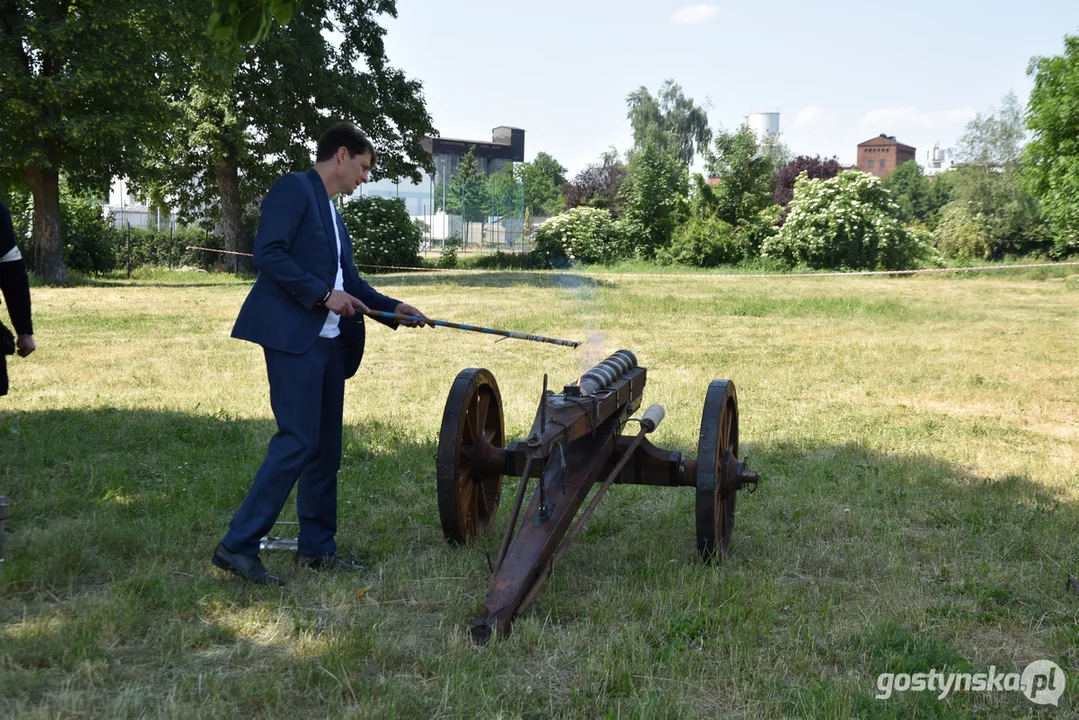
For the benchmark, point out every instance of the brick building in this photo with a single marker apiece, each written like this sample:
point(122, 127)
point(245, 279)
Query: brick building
point(883, 154)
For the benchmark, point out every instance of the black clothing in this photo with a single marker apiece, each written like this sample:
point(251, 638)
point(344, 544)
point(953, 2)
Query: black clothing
point(15, 287)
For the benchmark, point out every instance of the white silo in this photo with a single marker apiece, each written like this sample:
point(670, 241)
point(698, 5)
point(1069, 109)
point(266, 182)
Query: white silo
point(764, 124)
point(935, 157)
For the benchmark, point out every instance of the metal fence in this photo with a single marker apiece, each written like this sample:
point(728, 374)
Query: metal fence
point(482, 214)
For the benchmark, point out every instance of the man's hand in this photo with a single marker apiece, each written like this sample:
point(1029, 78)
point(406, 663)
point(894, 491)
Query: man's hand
point(344, 304)
point(25, 345)
point(411, 312)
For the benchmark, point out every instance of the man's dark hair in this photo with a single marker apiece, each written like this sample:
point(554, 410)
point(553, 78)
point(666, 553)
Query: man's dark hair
point(344, 135)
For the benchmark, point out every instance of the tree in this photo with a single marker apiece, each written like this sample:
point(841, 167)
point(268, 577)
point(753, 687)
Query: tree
point(469, 188)
point(83, 90)
point(910, 189)
point(670, 121)
point(746, 175)
point(1052, 157)
point(248, 21)
point(849, 221)
point(253, 113)
point(466, 192)
point(505, 193)
point(994, 139)
point(991, 202)
point(542, 179)
point(598, 185)
point(653, 198)
point(815, 168)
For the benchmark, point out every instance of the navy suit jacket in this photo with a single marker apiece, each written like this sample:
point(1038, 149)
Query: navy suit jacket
point(296, 256)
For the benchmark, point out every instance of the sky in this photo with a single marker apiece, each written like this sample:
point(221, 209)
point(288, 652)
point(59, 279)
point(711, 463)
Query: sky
point(838, 72)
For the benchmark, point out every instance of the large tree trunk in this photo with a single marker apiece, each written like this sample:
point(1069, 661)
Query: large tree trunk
point(48, 248)
point(232, 212)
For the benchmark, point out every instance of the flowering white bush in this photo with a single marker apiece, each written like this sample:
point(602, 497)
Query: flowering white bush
point(849, 221)
point(382, 232)
point(583, 234)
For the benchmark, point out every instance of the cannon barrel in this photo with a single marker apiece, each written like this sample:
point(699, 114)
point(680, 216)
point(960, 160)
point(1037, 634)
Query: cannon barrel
point(602, 375)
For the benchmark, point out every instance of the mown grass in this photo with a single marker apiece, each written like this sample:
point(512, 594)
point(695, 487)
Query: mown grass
point(919, 439)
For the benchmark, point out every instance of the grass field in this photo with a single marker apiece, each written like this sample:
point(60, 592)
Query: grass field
point(919, 440)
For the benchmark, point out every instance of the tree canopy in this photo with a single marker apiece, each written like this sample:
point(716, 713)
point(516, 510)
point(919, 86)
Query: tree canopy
point(670, 121)
point(815, 168)
point(253, 113)
point(83, 88)
point(542, 179)
point(990, 203)
point(1052, 157)
point(653, 196)
point(234, 22)
point(598, 185)
point(910, 189)
point(746, 172)
point(466, 194)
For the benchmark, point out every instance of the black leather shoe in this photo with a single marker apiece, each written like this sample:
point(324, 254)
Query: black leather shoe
point(247, 567)
point(331, 561)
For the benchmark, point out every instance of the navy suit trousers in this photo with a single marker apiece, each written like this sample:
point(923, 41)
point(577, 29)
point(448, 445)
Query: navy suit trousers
point(307, 393)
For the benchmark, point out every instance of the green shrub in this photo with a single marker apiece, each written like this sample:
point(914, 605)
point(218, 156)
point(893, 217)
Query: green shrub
point(703, 242)
point(499, 260)
point(89, 239)
point(967, 233)
point(93, 244)
point(849, 221)
point(447, 258)
point(382, 232)
point(583, 234)
point(753, 233)
point(141, 247)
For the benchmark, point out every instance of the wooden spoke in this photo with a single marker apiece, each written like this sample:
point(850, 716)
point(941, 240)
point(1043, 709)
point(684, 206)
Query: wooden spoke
point(468, 496)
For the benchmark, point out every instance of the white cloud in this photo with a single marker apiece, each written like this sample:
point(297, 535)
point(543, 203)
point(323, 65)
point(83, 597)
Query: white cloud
point(813, 116)
point(694, 14)
point(910, 116)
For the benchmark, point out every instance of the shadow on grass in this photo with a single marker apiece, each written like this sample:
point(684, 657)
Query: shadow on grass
point(96, 494)
point(234, 281)
point(116, 513)
point(536, 279)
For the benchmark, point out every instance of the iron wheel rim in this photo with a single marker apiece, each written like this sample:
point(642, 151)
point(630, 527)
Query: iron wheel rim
point(715, 509)
point(468, 497)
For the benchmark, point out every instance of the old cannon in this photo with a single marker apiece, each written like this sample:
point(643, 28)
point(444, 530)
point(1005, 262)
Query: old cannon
point(575, 441)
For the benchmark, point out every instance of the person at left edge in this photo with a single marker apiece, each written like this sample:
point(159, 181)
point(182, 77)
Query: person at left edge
point(302, 310)
point(15, 286)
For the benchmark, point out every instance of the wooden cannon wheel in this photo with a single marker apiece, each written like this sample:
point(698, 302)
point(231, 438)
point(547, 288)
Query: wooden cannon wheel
point(717, 451)
point(468, 496)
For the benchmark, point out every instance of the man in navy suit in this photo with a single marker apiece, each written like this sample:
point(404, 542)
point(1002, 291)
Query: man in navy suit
point(302, 310)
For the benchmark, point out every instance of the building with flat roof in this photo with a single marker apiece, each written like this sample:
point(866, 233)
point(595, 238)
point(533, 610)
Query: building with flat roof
point(507, 145)
point(883, 154)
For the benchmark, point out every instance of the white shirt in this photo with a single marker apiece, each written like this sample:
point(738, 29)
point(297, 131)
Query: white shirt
point(12, 255)
point(329, 328)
